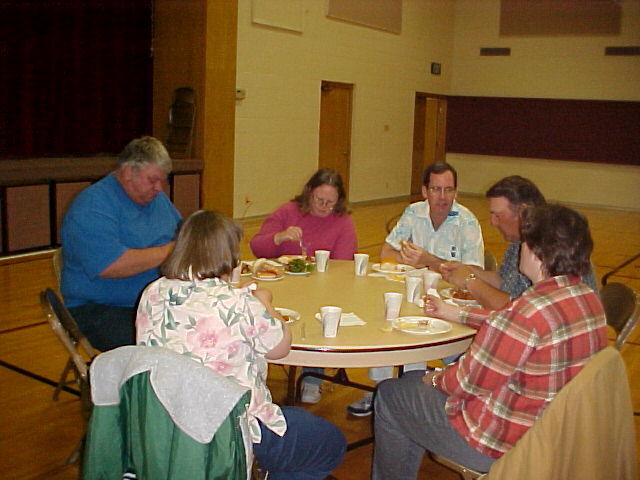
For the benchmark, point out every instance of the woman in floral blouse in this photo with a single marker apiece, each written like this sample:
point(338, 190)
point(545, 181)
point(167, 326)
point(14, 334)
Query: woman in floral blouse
point(195, 311)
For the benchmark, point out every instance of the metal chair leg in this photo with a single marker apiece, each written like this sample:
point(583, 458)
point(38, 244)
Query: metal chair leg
point(63, 379)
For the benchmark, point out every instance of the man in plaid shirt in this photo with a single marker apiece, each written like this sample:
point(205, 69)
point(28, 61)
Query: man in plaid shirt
point(477, 409)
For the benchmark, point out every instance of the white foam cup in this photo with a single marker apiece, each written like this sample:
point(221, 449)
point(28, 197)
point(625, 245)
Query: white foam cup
point(235, 274)
point(361, 261)
point(392, 303)
point(330, 320)
point(322, 260)
point(431, 279)
point(414, 288)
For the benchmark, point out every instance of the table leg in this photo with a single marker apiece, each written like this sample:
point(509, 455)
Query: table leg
point(291, 386)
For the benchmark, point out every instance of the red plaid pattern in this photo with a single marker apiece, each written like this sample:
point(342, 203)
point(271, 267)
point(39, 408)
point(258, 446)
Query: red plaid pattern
point(519, 360)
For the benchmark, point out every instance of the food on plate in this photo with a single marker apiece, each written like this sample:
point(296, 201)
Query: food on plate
point(298, 265)
point(389, 267)
point(286, 318)
point(461, 294)
point(245, 269)
point(287, 259)
point(263, 268)
point(394, 267)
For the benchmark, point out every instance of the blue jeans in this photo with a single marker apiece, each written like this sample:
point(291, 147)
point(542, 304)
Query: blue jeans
point(313, 380)
point(409, 419)
point(105, 326)
point(310, 449)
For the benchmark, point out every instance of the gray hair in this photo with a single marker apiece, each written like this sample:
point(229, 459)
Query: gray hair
point(145, 151)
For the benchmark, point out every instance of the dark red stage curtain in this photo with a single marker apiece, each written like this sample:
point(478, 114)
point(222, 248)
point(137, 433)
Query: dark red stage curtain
point(75, 76)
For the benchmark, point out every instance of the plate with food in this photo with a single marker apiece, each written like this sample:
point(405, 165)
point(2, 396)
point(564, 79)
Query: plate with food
point(421, 325)
point(289, 315)
point(392, 268)
point(266, 270)
point(459, 296)
point(299, 266)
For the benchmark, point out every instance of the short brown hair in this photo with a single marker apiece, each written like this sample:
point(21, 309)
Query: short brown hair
point(207, 247)
point(517, 190)
point(438, 168)
point(559, 237)
point(324, 176)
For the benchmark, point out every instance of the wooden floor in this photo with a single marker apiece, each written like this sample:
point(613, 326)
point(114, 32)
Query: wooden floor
point(37, 434)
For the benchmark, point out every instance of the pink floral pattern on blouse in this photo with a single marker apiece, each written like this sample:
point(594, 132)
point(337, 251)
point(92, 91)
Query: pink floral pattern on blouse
point(225, 328)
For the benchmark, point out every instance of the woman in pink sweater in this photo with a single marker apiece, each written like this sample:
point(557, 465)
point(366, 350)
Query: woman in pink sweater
point(317, 219)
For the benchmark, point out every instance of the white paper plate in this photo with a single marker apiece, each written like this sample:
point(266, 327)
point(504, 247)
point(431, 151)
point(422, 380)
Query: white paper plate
point(448, 293)
point(292, 314)
point(296, 273)
point(400, 269)
point(421, 325)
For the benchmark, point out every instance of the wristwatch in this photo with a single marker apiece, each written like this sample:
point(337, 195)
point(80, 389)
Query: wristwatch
point(471, 276)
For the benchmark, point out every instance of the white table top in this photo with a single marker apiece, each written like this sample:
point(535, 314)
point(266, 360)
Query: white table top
point(355, 346)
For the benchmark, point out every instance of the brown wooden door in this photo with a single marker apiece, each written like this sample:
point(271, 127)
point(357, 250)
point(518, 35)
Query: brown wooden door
point(429, 131)
point(335, 128)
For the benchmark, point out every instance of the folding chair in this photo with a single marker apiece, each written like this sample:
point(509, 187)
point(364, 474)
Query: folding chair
point(159, 414)
point(58, 264)
point(81, 353)
point(622, 307)
point(586, 432)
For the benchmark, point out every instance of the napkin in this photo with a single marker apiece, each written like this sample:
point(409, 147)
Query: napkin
point(347, 319)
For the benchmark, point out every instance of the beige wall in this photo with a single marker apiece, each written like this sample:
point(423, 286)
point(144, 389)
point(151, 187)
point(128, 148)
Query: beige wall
point(569, 67)
point(281, 71)
point(555, 67)
point(276, 143)
point(574, 182)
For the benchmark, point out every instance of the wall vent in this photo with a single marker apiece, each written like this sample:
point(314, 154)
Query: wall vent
point(635, 50)
point(495, 52)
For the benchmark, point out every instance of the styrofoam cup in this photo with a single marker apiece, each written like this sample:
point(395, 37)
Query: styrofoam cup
point(392, 304)
point(361, 261)
point(322, 260)
point(330, 320)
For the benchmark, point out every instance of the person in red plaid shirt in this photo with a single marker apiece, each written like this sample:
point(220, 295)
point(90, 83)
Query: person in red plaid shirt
point(522, 355)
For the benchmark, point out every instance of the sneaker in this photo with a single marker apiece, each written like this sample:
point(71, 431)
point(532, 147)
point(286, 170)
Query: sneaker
point(362, 407)
point(311, 393)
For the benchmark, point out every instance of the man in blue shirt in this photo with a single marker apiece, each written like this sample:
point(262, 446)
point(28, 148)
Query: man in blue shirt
point(114, 237)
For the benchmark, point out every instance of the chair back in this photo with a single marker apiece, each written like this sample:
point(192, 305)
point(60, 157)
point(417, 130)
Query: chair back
point(586, 432)
point(622, 308)
point(490, 263)
point(57, 265)
point(67, 331)
point(182, 115)
point(160, 414)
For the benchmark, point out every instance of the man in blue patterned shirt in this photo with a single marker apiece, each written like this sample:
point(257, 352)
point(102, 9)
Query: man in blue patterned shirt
point(507, 199)
point(438, 229)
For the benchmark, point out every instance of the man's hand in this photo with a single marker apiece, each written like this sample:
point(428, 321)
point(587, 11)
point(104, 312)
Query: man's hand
point(413, 255)
point(456, 273)
point(137, 260)
point(427, 378)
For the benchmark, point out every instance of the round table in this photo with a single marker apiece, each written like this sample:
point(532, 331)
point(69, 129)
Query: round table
point(370, 345)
